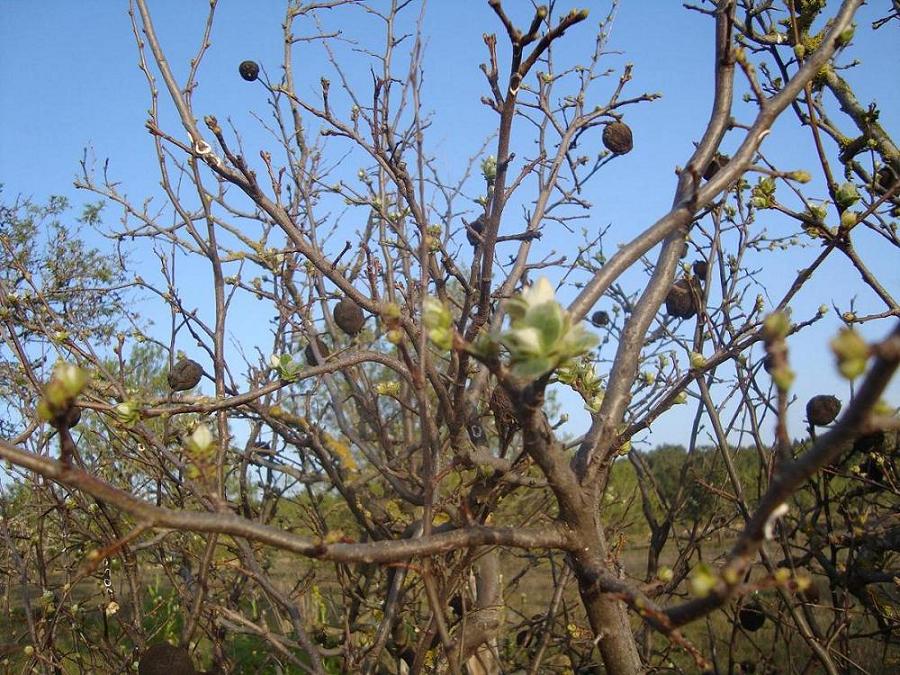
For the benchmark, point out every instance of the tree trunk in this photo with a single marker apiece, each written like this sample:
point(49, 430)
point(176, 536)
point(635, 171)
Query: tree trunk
point(608, 617)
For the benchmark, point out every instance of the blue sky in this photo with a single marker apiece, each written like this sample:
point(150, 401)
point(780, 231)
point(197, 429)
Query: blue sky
point(70, 80)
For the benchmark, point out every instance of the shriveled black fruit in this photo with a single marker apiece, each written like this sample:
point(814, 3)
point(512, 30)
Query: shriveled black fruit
point(822, 409)
point(752, 616)
point(262, 447)
point(768, 363)
point(599, 319)
point(886, 177)
point(185, 374)
point(872, 469)
point(700, 268)
point(249, 70)
point(504, 413)
point(476, 227)
point(70, 418)
point(349, 317)
point(714, 165)
point(680, 301)
point(617, 138)
point(811, 594)
point(311, 358)
point(873, 442)
point(165, 659)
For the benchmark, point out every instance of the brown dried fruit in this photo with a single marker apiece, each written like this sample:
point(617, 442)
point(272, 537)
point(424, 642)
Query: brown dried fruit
point(599, 319)
point(249, 70)
point(886, 178)
point(476, 227)
point(617, 138)
point(185, 374)
point(680, 301)
point(349, 317)
point(311, 355)
point(822, 409)
point(504, 415)
point(71, 418)
point(811, 594)
point(714, 165)
point(165, 659)
point(700, 269)
point(873, 442)
point(752, 616)
point(872, 470)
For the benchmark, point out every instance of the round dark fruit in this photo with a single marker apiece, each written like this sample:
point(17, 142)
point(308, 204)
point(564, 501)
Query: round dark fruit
point(822, 409)
point(165, 659)
point(873, 442)
point(680, 301)
point(600, 319)
point(811, 594)
point(617, 138)
point(872, 469)
point(71, 417)
point(504, 412)
point(715, 164)
point(310, 352)
point(886, 178)
point(249, 70)
point(185, 374)
point(474, 229)
point(752, 616)
point(349, 317)
point(700, 268)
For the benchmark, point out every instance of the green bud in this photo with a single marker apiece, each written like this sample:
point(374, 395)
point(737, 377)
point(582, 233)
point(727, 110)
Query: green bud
point(388, 388)
point(846, 195)
point(848, 220)
point(851, 353)
point(783, 378)
point(776, 327)
point(845, 36)
point(703, 580)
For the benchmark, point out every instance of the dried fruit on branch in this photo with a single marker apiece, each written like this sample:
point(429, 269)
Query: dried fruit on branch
point(681, 301)
point(249, 70)
point(822, 409)
point(71, 417)
point(185, 374)
point(474, 230)
point(752, 616)
point(310, 352)
point(165, 659)
point(349, 317)
point(600, 318)
point(504, 416)
point(617, 138)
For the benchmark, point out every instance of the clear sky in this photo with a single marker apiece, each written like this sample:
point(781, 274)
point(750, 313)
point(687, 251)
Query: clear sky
point(70, 80)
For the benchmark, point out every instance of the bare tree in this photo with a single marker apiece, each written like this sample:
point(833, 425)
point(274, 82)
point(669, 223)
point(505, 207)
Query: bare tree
point(373, 487)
